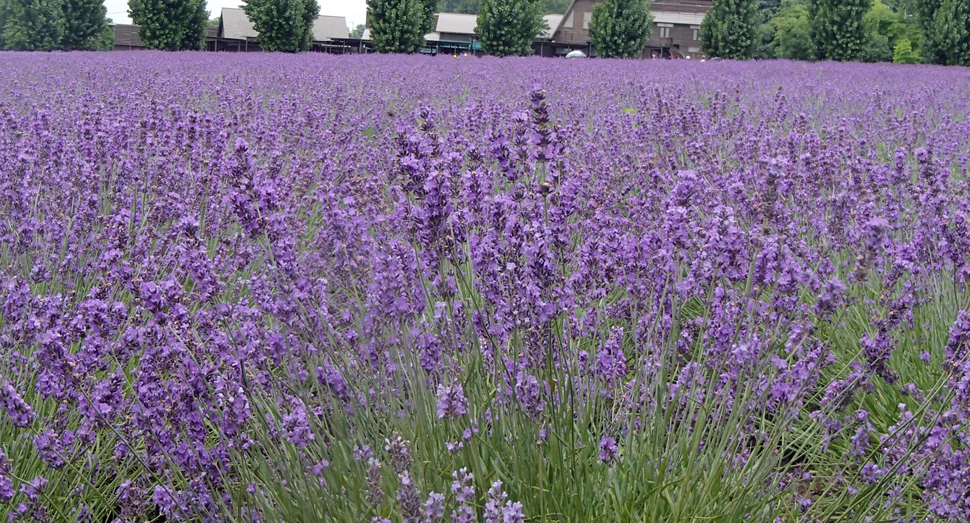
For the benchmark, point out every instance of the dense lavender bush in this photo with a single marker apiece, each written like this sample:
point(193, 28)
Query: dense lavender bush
point(324, 288)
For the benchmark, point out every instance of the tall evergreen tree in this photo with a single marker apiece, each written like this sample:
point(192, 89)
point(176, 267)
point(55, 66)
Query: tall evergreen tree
point(84, 24)
point(903, 53)
point(620, 28)
point(171, 25)
point(838, 28)
point(470, 7)
point(508, 27)
point(731, 29)
point(791, 39)
point(32, 25)
point(946, 31)
point(429, 8)
point(769, 8)
point(3, 22)
point(283, 25)
point(396, 26)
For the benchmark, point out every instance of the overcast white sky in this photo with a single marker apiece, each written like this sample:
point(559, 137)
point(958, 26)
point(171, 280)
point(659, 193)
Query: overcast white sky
point(354, 10)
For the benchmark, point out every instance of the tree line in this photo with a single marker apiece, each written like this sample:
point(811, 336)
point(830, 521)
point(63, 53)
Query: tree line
point(901, 31)
point(47, 25)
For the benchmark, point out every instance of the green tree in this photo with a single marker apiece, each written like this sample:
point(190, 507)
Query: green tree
point(946, 31)
point(838, 28)
point(769, 8)
point(396, 25)
point(731, 29)
point(885, 28)
point(3, 22)
point(358, 31)
point(555, 7)
point(904, 53)
point(508, 27)
point(171, 25)
point(461, 6)
point(84, 24)
point(32, 25)
point(283, 25)
point(791, 40)
point(106, 40)
point(620, 28)
point(429, 8)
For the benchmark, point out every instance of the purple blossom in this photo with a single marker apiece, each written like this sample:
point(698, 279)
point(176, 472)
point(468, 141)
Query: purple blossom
point(451, 401)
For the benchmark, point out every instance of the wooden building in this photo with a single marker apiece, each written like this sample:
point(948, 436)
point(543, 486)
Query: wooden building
point(676, 29)
point(236, 33)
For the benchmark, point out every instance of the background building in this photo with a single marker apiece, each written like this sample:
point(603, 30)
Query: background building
point(676, 29)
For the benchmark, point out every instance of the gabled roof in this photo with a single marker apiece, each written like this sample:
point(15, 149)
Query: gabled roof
point(456, 23)
point(330, 27)
point(553, 22)
point(235, 25)
point(553, 29)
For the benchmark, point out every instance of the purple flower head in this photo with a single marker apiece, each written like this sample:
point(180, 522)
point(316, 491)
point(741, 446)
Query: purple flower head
point(608, 449)
point(400, 452)
point(451, 401)
point(408, 499)
point(363, 453)
point(463, 487)
point(434, 507)
point(959, 342)
point(375, 494)
point(16, 408)
point(35, 488)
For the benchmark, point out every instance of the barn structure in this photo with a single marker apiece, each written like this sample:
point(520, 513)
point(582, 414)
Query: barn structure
point(676, 29)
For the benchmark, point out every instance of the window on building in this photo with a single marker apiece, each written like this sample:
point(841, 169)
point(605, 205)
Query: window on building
point(586, 18)
point(664, 32)
point(569, 21)
point(695, 34)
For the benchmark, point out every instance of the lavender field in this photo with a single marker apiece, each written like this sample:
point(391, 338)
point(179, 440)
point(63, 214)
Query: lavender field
point(410, 289)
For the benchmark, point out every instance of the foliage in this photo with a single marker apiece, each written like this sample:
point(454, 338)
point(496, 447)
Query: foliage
point(770, 8)
point(396, 25)
point(838, 28)
point(170, 25)
point(32, 25)
point(461, 6)
point(4, 8)
point(620, 28)
point(358, 31)
point(106, 40)
point(903, 53)
point(946, 31)
point(731, 29)
point(283, 25)
point(791, 34)
point(429, 8)
point(886, 28)
point(84, 24)
point(508, 27)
